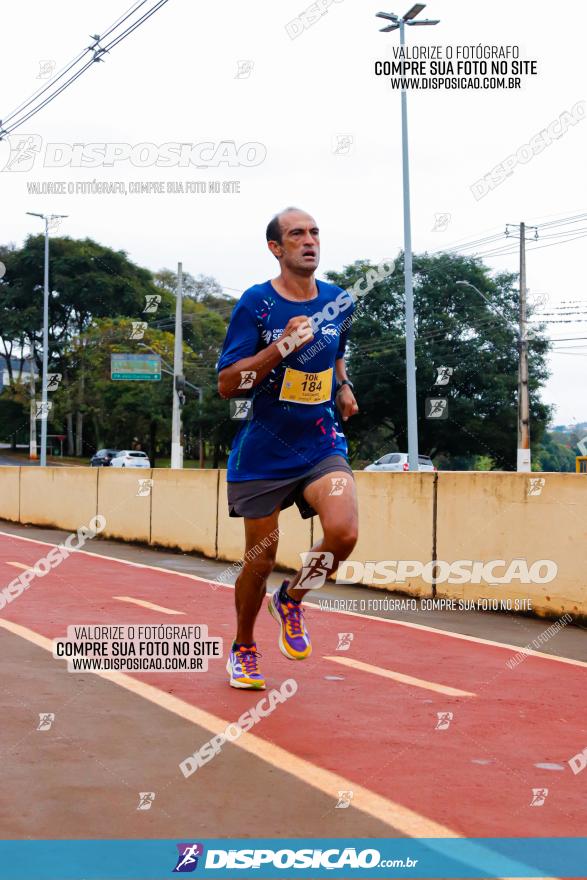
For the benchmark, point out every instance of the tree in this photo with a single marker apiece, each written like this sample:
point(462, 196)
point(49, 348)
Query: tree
point(118, 410)
point(551, 455)
point(206, 310)
point(95, 294)
point(87, 282)
point(14, 418)
point(203, 289)
point(455, 328)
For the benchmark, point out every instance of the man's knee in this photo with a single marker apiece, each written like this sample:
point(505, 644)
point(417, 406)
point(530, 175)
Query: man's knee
point(341, 537)
point(261, 565)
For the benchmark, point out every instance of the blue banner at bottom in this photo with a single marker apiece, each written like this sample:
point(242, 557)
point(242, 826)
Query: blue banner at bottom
point(367, 858)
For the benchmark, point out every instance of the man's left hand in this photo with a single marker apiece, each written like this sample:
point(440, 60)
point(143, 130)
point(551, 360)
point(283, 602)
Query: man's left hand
point(346, 403)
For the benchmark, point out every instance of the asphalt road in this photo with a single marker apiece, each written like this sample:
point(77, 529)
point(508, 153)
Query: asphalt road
point(423, 721)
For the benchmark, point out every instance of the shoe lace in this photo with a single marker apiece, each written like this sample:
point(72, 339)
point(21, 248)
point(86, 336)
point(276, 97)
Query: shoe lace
point(294, 619)
point(248, 659)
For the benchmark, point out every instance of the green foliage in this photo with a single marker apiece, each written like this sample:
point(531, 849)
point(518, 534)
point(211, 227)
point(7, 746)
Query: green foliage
point(87, 281)
point(14, 419)
point(116, 410)
point(95, 294)
point(455, 328)
point(552, 455)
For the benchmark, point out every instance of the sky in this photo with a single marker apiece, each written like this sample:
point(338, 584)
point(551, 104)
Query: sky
point(323, 133)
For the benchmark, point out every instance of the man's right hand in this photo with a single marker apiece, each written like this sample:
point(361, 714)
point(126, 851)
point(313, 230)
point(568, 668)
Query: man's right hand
point(298, 332)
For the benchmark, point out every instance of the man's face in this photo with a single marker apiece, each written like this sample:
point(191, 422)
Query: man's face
point(300, 247)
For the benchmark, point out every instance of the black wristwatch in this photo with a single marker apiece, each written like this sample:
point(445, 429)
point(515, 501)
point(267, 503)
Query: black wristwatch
point(342, 384)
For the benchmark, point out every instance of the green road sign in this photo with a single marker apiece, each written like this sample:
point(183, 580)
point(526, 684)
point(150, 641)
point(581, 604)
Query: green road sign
point(135, 367)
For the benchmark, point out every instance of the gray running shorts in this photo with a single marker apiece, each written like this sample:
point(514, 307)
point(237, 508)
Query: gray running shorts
point(254, 499)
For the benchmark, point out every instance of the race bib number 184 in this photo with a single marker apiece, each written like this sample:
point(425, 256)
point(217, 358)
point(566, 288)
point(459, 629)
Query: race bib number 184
point(300, 387)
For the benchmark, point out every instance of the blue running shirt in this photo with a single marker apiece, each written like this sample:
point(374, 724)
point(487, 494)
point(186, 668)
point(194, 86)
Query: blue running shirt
point(286, 437)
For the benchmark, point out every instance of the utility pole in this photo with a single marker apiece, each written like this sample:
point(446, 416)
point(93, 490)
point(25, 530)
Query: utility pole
point(412, 405)
point(33, 420)
point(178, 379)
point(524, 461)
point(524, 464)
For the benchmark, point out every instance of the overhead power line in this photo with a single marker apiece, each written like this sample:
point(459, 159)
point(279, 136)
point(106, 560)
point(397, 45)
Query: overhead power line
point(92, 54)
point(487, 246)
point(578, 218)
point(506, 250)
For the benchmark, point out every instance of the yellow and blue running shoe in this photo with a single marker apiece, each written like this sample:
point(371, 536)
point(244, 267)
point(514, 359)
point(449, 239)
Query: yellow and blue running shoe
point(294, 639)
point(243, 667)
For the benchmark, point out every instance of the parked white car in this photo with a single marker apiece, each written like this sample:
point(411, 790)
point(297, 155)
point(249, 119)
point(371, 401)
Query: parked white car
point(398, 461)
point(130, 458)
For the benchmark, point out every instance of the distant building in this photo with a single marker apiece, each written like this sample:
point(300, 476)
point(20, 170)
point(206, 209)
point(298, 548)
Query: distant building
point(16, 371)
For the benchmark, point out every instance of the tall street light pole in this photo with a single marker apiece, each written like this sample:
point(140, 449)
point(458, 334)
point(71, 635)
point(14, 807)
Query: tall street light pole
point(32, 419)
point(400, 23)
point(178, 379)
point(44, 409)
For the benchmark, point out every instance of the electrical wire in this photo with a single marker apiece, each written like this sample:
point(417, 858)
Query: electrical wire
point(577, 218)
point(96, 50)
point(72, 63)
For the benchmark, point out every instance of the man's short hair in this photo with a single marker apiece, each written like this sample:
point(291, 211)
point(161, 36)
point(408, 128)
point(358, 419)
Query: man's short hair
point(273, 232)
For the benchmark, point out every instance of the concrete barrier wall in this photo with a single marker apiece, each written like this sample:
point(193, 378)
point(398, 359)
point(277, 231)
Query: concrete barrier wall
point(184, 510)
point(395, 522)
point(10, 493)
point(498, 516)
point(127, 513)
point(62, 497)
point(447, 516)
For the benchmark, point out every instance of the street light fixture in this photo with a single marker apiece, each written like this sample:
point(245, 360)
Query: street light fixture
point(414, 11)
point(44, 412)
point(400, 23)
point(390, 17)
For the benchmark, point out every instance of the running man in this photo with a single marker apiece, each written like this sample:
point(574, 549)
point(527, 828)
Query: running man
point(284, 356)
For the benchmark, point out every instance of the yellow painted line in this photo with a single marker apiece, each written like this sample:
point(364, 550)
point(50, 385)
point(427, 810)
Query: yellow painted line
point(396, 816)
point(399, 676)
point(19, 565)
point(150, 605)
point(419, 626)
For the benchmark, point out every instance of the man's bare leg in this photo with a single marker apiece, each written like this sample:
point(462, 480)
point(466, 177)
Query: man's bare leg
point(339, 519)
point(251, 584)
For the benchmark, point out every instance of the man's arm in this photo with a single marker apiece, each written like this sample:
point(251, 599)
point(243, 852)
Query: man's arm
point(340, 369)
point(260, 364)
point(298, 333)
point(345, 399)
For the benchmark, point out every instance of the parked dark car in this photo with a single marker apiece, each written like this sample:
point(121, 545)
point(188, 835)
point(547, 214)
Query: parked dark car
point(103, 457)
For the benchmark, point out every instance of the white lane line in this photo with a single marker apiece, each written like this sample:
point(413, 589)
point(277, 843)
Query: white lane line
point(399, 676)
point(150, 605)
point(419, 626)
